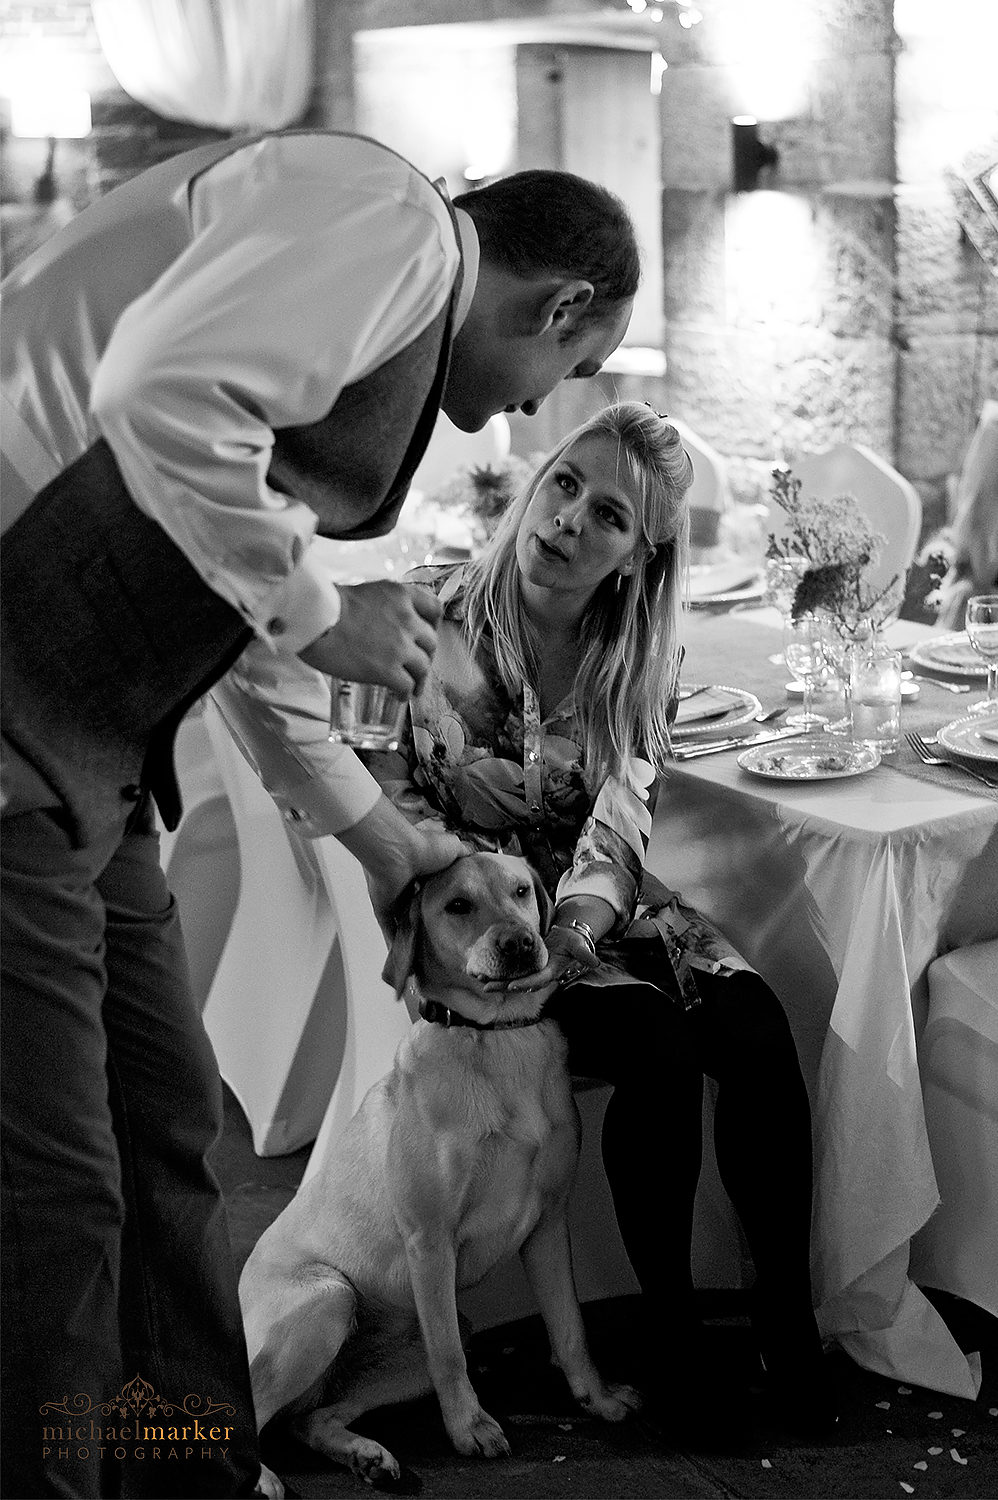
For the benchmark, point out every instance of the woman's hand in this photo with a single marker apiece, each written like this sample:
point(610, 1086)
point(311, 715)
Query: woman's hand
point(570, 957)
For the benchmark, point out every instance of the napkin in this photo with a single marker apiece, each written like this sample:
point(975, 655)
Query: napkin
point(954, 654)
point(707, 705)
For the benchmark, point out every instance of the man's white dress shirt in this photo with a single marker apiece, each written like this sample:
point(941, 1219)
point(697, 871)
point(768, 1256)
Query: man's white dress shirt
point(253, 293)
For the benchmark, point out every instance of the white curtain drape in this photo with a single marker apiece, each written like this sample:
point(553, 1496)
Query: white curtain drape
point(230, 64)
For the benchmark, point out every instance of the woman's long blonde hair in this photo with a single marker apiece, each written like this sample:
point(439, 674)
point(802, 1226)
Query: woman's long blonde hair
point(629, 634)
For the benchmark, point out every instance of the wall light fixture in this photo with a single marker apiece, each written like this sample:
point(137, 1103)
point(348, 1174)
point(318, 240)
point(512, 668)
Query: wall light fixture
point(750, 154)
point(56, 116)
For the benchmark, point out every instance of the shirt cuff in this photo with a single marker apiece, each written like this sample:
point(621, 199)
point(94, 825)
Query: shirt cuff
point(304, 606)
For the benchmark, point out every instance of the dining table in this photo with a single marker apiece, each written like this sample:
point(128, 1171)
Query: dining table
point(841, 892)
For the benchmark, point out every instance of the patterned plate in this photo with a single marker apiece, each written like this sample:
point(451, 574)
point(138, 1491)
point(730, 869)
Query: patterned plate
point(703, 709)
point(809, 762)
point(975, 736)
point(951, 653)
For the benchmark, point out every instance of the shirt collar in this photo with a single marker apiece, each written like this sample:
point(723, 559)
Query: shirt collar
point(470, 251)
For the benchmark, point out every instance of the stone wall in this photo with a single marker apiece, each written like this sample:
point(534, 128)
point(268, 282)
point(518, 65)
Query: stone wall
point(840, 302)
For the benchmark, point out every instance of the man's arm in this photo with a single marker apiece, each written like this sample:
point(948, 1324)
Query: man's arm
point(277, 710)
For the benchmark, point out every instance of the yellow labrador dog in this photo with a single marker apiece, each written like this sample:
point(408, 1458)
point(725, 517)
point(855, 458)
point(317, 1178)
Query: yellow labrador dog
point(462, 1154)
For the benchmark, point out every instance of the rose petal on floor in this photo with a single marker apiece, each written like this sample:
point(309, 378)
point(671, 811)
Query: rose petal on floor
point(956, 1457)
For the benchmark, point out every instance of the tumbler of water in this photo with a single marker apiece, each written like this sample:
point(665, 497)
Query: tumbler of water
point(876, 695)
point(365, 714)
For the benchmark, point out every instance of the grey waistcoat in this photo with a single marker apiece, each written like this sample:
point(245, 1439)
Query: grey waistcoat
point(109, 634)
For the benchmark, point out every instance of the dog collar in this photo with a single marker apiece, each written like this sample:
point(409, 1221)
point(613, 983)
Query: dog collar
point(441, 1015)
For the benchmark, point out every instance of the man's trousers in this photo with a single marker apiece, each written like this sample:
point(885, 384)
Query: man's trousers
point(123, 1353)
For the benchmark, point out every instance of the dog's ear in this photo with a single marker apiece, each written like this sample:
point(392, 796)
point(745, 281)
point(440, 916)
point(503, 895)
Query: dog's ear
point(544, 903)
point(402, 921)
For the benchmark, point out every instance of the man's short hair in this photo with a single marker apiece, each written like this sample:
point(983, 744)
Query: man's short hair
point(537, 222)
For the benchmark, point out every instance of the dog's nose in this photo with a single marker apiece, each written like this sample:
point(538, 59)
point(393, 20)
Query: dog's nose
point(514, 945)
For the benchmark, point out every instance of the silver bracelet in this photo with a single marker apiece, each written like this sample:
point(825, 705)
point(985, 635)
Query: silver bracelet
point(587, 933)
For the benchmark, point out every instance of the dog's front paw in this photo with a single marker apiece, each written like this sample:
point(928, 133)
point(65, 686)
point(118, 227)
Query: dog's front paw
point(611, 1402)
point(479, 1437)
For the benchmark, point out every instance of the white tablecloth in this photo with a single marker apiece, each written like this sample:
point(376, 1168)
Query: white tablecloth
point(841, 893)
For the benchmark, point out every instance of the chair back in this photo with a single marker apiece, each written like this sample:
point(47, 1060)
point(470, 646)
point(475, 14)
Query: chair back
point(891, 505)
point(709, 495)
point(451, 449)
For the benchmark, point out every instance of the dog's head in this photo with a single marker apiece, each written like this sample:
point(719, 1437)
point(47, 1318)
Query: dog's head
point(481, 920)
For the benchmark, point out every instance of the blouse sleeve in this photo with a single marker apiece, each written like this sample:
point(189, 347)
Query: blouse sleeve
point(609, 853)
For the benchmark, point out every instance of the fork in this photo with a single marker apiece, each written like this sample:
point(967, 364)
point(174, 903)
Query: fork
point(924, 754)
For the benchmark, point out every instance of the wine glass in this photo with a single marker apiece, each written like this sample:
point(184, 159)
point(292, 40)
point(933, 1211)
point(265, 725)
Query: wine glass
point(804, 654)
point(842, 636)
point(982, 633)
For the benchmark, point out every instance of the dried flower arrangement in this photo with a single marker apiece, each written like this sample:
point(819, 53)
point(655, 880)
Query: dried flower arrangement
point(839, 545)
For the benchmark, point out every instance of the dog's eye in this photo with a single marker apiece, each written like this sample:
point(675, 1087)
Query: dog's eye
point(458, 906)
point(522, 891)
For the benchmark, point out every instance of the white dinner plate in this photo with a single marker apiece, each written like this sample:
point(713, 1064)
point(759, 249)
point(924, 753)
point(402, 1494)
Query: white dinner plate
point(809, 762)
point(716, 709)
point(967, 736)
point(725, 583)
point(951, 653)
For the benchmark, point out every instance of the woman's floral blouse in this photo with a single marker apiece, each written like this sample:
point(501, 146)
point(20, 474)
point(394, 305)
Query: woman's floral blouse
point(487, 767)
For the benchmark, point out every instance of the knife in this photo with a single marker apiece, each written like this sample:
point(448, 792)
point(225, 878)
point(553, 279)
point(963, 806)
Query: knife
point(742, 743)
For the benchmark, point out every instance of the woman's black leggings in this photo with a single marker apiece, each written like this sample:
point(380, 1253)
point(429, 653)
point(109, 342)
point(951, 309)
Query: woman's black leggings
point(656, 1055)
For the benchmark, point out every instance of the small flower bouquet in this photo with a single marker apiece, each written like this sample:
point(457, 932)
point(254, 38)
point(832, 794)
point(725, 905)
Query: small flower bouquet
point(833, 545)
point(462, 514)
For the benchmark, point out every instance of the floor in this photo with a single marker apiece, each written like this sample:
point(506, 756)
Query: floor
point(892, 1440)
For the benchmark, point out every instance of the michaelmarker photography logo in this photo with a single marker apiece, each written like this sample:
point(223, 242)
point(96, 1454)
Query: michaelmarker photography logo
point(137, 1424)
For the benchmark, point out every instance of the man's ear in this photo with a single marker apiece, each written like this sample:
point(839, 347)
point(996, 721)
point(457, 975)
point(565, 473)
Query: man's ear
point(403, 922)
point(565, 306)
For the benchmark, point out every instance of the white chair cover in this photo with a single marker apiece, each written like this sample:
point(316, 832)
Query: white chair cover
point(890, 503)
point(709, 495)
point(957, 1250)
point(275, 1009)
point(450, 449)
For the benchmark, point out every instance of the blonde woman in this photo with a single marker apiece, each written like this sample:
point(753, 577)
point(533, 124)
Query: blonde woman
point(542, 728)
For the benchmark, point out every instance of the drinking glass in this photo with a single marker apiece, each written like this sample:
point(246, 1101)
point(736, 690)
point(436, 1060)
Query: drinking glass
point(982, 633)
point(876, 695)
point(365, 714)
point(842, 638)
point(804, 654)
